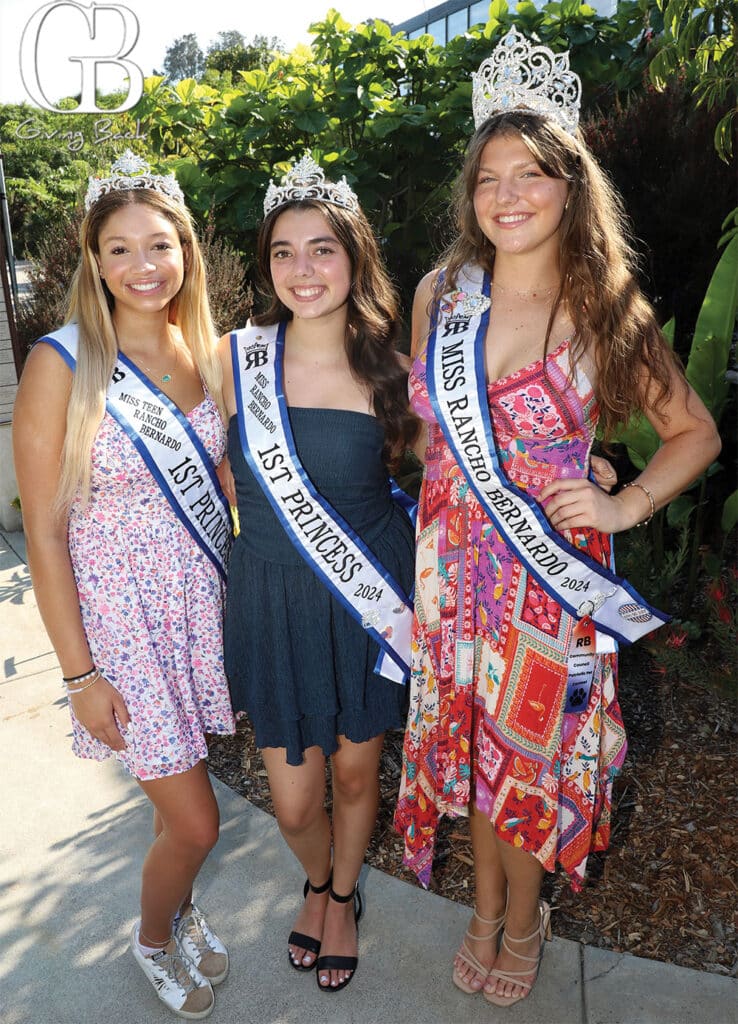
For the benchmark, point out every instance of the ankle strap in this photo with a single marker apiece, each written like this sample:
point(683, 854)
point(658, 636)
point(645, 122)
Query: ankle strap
point(354, 895)
point(318, 889)
point(522, 956)
point(342, 899)
point(489, 920)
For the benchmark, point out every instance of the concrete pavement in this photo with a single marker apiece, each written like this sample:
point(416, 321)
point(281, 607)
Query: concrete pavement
point(72, 840)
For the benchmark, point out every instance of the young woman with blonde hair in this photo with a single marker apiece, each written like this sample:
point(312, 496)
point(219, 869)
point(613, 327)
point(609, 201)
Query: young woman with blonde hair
point(532, 332)
point(116, 438)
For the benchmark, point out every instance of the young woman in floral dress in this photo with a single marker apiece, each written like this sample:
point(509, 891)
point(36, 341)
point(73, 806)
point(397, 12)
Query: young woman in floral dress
point(537, 323)
point(117, 436)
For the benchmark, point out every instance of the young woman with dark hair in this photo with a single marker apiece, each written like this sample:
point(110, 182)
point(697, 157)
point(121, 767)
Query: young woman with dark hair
point(321, 570)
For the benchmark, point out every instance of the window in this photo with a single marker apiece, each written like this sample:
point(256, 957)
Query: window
point(416, 33)
point(457, 23)
point(479, 12)
point(438, 30)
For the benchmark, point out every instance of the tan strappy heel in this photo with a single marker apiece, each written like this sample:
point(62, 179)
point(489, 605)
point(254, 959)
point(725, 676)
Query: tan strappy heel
point(468, 957)
point(543, 931)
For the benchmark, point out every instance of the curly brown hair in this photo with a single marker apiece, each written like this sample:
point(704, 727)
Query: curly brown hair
point(373, 319)
point(614, 321)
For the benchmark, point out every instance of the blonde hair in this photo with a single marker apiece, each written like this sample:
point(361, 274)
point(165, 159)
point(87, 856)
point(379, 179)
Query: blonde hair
point(614, 321)
point(90, 307)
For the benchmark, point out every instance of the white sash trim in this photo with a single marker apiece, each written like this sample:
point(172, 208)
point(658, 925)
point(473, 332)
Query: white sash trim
point(334, 552)
point(457, 390)
point(167, 443)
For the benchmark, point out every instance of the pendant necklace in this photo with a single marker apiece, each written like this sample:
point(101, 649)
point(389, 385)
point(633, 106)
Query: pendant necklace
point(165, 378)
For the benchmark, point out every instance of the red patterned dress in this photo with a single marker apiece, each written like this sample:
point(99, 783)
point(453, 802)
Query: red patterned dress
point(488, 691)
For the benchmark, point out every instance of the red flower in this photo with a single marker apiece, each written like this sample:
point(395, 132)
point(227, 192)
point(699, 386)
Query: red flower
point(676, 639)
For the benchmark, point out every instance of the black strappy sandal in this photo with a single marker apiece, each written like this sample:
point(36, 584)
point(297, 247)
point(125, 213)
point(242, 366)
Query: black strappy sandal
point(341, 963)
point(307, 942)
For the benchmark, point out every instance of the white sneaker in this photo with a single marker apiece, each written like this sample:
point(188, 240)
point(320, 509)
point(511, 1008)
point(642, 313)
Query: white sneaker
point(176, 980)
point(202, 946)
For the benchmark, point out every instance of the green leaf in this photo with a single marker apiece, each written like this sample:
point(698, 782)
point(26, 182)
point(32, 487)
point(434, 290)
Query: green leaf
point(311, 121)
point(730, 513)
point(186, 90)
point(679, 510)
point(672, 16)
point(382, 126)
point(640, 439)
point(663, 65)
point(708, 358)
point(498, 9)
point(724, 136)
point(570, 8)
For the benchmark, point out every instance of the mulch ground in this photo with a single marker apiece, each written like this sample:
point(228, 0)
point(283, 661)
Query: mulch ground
point(666, 889)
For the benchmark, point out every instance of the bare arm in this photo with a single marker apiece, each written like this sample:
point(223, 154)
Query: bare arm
point(418, 340)
point(229, 393)
point(690, 442)
point(225, 476)
point(420, 328)
point(39, 426)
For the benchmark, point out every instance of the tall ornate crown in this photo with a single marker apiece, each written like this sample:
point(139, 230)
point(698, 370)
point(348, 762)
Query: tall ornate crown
point(307, 180)
point(131, 171)
point(520, 75)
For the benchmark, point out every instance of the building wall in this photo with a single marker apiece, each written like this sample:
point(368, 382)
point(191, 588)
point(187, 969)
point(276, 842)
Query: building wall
point(454, 17)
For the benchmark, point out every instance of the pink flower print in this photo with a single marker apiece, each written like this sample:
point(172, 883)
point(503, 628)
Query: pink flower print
point(461, 792)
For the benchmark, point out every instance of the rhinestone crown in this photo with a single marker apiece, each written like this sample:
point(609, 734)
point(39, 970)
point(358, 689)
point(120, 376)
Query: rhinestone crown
point(131, 171)
point(520, 75)
point(307, 180)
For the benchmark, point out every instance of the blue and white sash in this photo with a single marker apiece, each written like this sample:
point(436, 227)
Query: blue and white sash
point(172, 451)
point(334, 552)
point(457, 390)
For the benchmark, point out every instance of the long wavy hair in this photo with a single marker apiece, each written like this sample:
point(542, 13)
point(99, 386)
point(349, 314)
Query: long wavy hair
point(373, 319)
point(615, 324)
point(91, 305)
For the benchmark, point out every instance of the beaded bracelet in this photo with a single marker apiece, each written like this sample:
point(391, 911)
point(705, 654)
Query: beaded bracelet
point(92, 682)
point(80, 679)
point(648, 494)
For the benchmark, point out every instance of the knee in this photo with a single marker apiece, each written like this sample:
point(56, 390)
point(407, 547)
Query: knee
point(202, 834)
point(294, 819)
point(351, 786)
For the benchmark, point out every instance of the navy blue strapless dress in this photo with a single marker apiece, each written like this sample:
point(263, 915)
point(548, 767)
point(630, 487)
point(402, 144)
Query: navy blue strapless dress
point(296, 661)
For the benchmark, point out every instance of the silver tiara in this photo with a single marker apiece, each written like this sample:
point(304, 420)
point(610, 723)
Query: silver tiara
point(519, 75)
point(131, 171)
point(307, 180)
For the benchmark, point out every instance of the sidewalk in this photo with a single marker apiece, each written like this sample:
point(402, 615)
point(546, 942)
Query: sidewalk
point(72, 841)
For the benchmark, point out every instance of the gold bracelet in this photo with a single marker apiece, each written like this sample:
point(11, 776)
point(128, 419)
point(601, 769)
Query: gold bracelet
point(648, 494)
